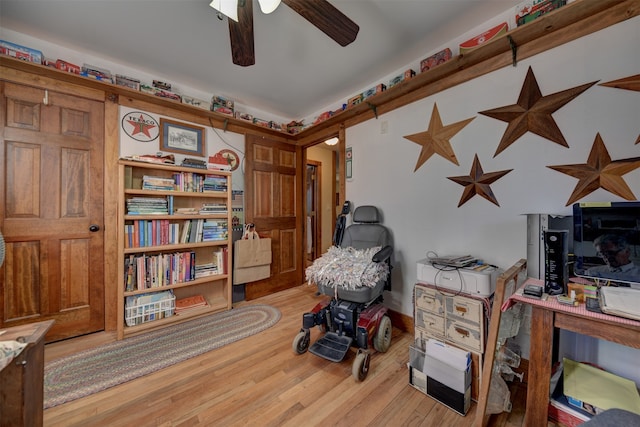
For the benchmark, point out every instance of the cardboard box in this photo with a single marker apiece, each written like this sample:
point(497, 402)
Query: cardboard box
point(243, 116)
point(437, 59)
point(129, 82)
point(374, 91)
point(354, 100)
point(202, 104)
point(483, 38)
point(20, 52)
point(222, 105)
point(67, 66)
point(530, 10)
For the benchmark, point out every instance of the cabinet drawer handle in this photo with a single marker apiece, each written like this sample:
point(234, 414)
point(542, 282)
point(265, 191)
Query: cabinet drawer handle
point(461, 310)
point(462, 332)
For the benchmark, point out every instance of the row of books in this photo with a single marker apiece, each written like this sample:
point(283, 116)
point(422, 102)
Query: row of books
point(217, 266)
point(157, 183)
point(199, 183)
point(148, 206)
point(156, 232)
point(160, 232)
point(204, 230)
point(155, 271)
point(164, 206)
point(213, 208)
point(185, 181)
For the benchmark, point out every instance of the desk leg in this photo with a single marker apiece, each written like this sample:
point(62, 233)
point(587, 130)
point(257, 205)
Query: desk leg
point(539, 367)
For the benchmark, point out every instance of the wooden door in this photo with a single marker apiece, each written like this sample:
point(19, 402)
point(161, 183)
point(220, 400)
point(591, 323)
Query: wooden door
point(51, 193)
point(273, 180)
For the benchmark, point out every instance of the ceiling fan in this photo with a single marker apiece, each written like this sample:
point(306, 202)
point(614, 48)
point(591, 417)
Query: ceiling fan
point(320, 13)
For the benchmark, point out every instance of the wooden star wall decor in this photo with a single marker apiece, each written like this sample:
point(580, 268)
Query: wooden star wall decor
point(532, 113)
point(478, 182)
point(435, 140)
point(629, 83)
point(600, 172)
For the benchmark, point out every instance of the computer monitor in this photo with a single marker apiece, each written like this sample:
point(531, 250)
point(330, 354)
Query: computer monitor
point(606, 242)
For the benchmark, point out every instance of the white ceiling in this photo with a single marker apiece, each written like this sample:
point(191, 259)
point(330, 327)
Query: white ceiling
point(298, 72)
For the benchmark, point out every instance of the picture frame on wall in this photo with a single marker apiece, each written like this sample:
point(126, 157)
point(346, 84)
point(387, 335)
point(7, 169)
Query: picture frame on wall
point(183, 138)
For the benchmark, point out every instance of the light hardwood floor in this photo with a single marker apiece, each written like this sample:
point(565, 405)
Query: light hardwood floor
point(259, 381)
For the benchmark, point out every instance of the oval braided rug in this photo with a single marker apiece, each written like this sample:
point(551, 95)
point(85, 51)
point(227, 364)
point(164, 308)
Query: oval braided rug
point(97, 369)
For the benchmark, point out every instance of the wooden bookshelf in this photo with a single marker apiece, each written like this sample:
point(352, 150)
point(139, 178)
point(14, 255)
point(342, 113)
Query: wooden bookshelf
point(156, 260)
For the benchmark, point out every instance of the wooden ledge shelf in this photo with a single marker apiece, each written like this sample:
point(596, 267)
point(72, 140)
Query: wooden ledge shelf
point(561, 26)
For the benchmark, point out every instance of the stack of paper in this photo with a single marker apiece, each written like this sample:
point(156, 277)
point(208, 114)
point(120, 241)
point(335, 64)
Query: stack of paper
point(623, 302)
point(593, 387)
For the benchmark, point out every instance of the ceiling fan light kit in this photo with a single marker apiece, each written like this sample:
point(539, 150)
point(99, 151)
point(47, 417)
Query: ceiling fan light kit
point(229, 8)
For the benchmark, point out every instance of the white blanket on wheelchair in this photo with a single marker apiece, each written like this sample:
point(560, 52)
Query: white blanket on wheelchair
point(347, 268)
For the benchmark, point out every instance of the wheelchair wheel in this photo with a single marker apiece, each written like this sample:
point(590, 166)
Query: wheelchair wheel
point(360, 367)
point(382, 339)
point(301, 342)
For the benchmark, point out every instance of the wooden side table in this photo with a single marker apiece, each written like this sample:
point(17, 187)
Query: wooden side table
point(22, 380)
point(547, 315)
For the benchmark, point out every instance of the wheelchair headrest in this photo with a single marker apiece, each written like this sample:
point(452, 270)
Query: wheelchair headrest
point(366, 214)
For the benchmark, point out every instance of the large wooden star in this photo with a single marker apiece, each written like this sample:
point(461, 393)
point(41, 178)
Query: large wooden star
point(600, 172)
point(435, 140)
point(629, 83)
point(533, 112)
point(478, 183)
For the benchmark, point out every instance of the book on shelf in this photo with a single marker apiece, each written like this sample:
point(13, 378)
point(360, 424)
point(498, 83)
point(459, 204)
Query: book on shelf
point(190, 303)
point(147, 206)
point(157, 183)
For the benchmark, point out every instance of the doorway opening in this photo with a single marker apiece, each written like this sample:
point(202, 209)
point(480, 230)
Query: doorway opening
point(313, 183)
point(322, 198)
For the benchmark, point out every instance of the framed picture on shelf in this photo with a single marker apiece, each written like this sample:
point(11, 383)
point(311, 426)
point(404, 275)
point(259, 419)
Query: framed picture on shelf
point(182, 138)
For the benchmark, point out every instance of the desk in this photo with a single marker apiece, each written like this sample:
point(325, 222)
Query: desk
point(547, 315)
point(21, 381)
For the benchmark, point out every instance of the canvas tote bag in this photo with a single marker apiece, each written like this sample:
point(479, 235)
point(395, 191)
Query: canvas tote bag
point(252, 257)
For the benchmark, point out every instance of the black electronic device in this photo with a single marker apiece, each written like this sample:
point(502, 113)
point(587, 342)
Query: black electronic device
point(556, 261)
point(532, 291)
point(593, 304)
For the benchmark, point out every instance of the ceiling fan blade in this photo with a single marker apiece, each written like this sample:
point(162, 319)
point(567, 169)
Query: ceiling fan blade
point(241, 36)
point(327, 19)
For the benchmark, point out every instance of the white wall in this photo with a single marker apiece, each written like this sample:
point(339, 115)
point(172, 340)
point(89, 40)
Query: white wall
point(421, 207)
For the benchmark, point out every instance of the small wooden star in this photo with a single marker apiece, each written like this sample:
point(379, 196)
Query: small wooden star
point(478, 183)
point(533, 112)
point(435, 140)
point(629, 83)
point(600, 172)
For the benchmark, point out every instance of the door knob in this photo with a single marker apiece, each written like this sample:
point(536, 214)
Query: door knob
point(93, 228)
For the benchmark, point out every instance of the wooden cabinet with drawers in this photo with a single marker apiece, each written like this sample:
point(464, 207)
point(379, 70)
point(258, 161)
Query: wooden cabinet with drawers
point(456, 319)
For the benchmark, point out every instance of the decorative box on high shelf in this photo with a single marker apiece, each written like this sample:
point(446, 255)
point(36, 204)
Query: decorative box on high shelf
point(174, 244)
